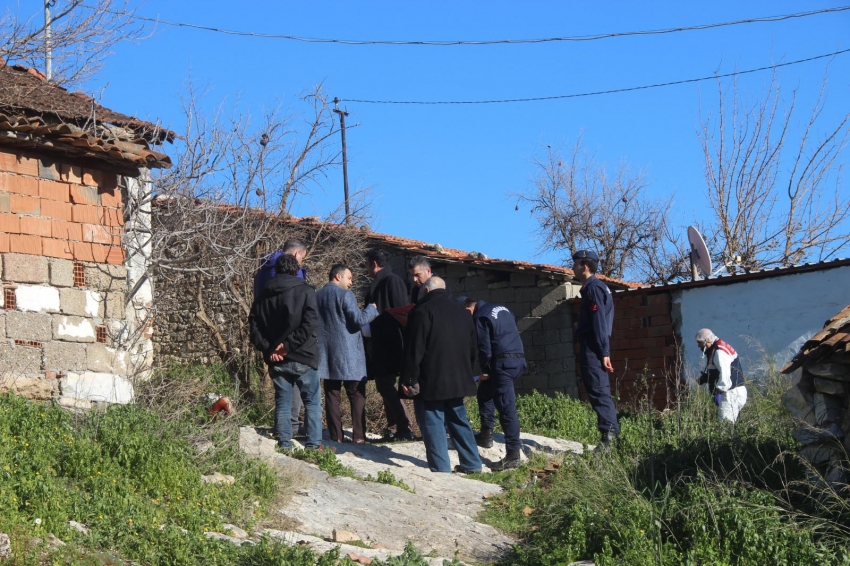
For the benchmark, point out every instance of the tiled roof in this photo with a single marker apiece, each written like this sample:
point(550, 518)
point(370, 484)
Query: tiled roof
point(452, 255)
point(38, 115)
point(829, 345)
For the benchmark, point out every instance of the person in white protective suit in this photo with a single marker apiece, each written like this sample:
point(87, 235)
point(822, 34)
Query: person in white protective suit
point(723, 374)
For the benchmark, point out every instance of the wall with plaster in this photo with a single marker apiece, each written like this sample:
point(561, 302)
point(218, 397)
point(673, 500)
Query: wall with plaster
point(765, 320)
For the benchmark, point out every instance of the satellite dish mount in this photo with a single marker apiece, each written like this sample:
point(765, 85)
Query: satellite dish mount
point(699, 254)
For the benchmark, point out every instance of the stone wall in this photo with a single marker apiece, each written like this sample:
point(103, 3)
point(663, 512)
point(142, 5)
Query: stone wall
point(65, 327)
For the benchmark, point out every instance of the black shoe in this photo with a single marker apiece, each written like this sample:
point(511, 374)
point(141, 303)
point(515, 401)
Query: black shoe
point(406, 435)
point(606, 440)
point(459, 470)
point(484, 439)
point(511, 461)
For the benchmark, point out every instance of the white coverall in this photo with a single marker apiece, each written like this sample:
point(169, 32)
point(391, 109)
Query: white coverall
point(731, 400)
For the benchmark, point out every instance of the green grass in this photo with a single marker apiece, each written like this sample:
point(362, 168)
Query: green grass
point(325, 459)
point(680, 488)
point(387, 477)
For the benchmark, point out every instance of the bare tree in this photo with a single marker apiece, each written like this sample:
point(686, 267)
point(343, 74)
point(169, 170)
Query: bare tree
point(579, 205)
point(225, 204)
point(777, 196)
point(82, 35)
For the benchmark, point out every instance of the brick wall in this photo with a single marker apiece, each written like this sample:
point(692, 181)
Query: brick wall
point(544, 318)
point(63, 327)
point(644, 348)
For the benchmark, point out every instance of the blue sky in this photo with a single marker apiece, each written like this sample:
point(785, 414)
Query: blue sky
point(444, 174)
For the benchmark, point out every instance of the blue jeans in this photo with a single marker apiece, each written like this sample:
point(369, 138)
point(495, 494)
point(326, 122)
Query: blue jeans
point(285, 376)
point(434, 417)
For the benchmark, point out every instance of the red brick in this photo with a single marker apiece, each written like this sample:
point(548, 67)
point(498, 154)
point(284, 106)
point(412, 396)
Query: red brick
point(97, 234)
point(63, 230)
point(10, 223)
point(51, 190)
point(25, 204)
point(100, 252)
point(661, 320)
point(107, 181)
point(85, 213)
point(659, 299)
point(72, 173)
point(24, 244)
point(110, 197)
point(111, 217)
point(89, 178)
point(4, 242)
point(658, 309)
point(17, 163)
point(19, 184)
point(57, 248)
point(83, 251)
point(84, 195)
point(35, 226)
point(115, 255)
point(57, 210)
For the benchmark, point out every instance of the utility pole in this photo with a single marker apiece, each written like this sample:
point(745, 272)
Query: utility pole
point(342, 115)
point(48, 48)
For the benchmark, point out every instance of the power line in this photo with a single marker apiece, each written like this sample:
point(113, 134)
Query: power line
point(598, 92)
point(576, 38)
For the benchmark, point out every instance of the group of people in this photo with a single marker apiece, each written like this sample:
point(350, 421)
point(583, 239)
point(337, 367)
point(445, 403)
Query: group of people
point(421, 344)
point(428, 346)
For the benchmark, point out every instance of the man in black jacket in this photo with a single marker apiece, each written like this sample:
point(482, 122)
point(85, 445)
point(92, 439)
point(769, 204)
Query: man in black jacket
point(386, 292)
point(440, 352)
point(284, 327)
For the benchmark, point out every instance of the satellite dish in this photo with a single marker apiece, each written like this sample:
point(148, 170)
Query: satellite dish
point(699, 254)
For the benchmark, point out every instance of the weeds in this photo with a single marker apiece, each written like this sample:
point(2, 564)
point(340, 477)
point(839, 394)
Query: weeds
point(387, 477)
point(325, 459)
point(680, 487)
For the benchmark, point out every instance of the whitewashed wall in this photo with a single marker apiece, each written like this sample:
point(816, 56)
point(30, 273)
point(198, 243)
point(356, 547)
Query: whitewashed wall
point(765, 320)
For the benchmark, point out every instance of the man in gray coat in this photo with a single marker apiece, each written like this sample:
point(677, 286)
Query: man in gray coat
point(342, 360)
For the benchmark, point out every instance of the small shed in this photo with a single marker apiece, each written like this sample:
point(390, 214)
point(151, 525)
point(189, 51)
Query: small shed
point(69, 168)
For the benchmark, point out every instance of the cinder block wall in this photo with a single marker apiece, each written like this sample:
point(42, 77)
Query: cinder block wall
point(63, 326)
point(544, 318)
point(644, 348)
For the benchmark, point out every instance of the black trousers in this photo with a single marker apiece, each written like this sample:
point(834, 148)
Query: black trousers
point(497, 394)
point(397, 419)
point(598, 388)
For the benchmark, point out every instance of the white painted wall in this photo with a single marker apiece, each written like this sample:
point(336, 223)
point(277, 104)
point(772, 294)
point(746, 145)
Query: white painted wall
point(765, 320)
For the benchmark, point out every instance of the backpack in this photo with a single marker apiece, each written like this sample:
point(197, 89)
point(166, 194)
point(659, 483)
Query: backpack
point(266, 272)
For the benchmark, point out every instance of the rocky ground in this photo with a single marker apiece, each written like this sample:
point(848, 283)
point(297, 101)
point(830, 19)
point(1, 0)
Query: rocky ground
point(437, 514)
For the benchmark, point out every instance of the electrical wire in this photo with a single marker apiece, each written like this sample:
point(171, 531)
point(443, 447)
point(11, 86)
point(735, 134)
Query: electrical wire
point(600, 92)
point(577, 38)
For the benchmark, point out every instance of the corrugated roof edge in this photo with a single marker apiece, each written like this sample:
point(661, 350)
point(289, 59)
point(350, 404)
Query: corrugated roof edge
point(741, 277)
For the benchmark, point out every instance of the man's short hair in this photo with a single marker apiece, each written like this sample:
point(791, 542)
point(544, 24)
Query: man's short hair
point(591, 264)
point(336, 270)
point(469, 302)
point(419, 261)
point(379, 256)
point(433, 283)
point(293, 245)
point(287, 265)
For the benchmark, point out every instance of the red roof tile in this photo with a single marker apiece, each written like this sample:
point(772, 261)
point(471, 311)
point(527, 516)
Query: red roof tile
point(39, 115)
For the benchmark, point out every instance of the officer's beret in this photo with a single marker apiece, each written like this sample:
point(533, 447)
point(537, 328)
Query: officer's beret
point(585, 254)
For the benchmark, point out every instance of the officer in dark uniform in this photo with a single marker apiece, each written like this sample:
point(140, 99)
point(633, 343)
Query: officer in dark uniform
point(595, 319)
point(502, 360)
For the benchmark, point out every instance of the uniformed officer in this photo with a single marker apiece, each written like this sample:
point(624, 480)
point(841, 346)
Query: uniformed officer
point(595, 319)
point(723, 374)
point(502, 360)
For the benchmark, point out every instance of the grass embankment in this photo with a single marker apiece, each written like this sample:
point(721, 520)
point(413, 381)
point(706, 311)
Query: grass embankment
point(680, 488)
point(132, 475)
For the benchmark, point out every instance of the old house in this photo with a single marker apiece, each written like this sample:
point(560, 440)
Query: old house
point(73, 176)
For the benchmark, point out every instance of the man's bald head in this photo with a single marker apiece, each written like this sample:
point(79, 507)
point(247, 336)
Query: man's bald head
point(434, 282)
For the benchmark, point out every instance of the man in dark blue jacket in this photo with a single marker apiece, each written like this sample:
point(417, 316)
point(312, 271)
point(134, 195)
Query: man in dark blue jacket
point(285, 324)
point(595, 320)
point(502, 360)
